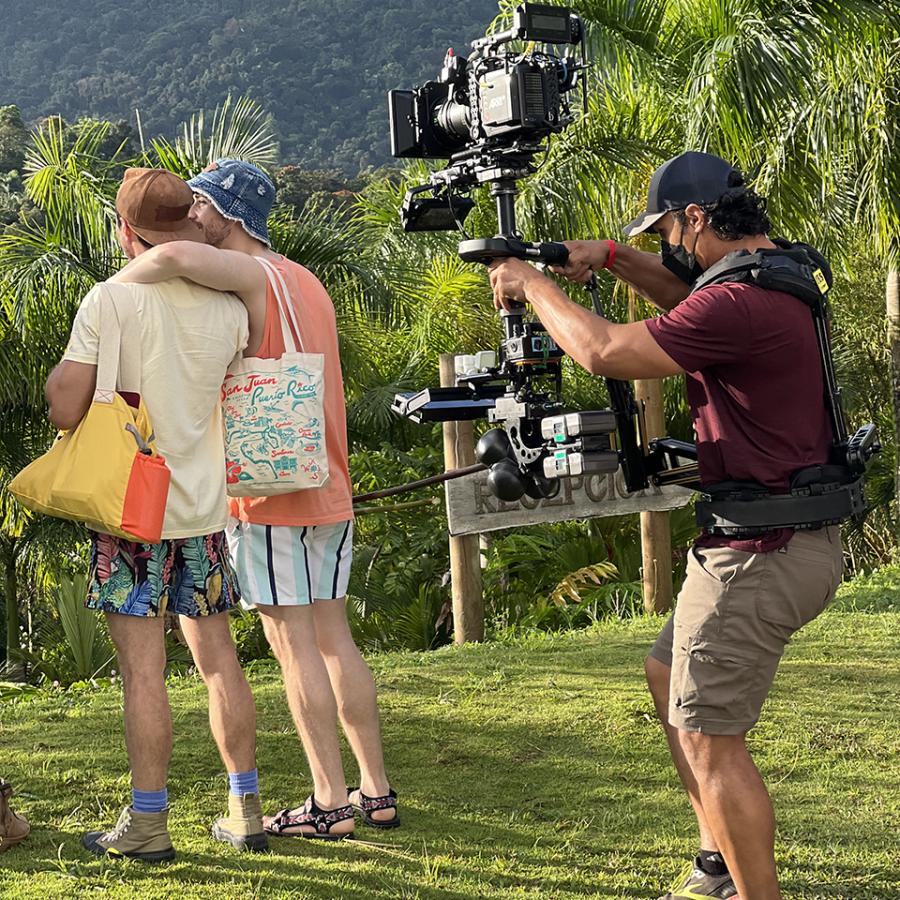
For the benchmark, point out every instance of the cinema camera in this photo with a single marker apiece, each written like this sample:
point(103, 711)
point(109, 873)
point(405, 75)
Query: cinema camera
point(490, 116)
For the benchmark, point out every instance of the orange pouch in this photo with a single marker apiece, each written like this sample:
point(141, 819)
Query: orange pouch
point(145, 498)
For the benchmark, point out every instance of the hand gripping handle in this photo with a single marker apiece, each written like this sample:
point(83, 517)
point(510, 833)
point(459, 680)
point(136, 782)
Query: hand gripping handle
point(553, 254)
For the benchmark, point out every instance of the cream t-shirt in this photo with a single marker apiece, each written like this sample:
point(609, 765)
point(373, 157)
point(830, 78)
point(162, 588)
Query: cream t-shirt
point(188, 336)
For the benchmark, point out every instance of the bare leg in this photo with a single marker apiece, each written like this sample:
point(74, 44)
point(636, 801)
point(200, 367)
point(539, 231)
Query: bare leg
point(738, 810)
point(354, 690)
point(291, 634)
point(141, 650)
point(658, 675)
point(232, 713)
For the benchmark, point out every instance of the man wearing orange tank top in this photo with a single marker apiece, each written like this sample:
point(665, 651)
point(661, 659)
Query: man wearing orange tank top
point(292, 551)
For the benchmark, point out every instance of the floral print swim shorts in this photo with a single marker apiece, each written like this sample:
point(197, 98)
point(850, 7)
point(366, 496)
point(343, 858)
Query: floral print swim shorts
point(190, 576)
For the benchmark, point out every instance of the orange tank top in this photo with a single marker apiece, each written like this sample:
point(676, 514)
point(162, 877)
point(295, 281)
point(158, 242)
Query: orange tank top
point(318, 333)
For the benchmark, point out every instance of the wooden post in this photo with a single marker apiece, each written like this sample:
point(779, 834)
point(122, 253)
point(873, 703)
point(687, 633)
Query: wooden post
point(656, 530)
point(465, 556)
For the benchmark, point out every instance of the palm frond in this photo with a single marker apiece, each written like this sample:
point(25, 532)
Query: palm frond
point(238, 129)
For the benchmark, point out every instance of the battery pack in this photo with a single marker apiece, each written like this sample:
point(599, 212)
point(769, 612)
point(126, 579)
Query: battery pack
point(572, 425)
point(565, 463)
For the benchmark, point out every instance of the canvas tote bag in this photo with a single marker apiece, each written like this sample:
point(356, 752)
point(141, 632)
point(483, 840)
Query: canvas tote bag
point(274, 413)
point(105, 472)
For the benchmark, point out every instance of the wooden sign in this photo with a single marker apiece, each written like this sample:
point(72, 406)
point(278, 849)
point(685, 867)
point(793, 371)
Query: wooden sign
point(473, 509)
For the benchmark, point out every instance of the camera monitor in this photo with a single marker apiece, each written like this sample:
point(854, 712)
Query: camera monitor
point(546, 24)
point(404, 140)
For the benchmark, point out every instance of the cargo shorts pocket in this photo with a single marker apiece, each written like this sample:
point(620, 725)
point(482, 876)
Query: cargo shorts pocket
point(714, 685)
point(718, 564)
point(801, 584)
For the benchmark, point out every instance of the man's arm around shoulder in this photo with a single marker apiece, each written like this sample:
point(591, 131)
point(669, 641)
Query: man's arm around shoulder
point(228, 271)
point(222, 270)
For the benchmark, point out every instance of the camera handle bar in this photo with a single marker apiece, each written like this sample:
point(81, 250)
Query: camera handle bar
point(508, 242)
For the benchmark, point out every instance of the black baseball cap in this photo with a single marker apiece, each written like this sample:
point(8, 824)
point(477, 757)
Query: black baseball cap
point(690, 178)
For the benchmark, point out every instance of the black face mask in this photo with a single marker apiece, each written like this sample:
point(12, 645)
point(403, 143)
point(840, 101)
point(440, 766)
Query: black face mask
point(679, 262)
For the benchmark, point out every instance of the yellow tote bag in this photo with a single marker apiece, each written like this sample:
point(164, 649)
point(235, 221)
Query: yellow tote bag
point(106, 471)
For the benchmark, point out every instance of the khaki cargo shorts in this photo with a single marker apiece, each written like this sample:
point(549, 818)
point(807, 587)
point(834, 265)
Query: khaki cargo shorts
point(735, 615)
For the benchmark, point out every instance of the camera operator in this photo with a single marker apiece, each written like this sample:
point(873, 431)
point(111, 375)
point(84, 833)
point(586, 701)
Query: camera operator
point(755, 389)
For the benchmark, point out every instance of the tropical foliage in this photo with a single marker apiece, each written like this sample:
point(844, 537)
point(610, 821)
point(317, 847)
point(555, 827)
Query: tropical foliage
point(802, 95)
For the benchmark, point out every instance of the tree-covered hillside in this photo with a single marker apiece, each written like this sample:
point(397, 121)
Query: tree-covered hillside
point(322, 68)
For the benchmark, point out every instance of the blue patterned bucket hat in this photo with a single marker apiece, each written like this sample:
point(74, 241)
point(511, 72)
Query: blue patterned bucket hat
point(240, 192)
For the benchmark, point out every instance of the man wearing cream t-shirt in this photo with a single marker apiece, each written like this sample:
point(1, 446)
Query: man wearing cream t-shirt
point(188, 336)
point(177, 341)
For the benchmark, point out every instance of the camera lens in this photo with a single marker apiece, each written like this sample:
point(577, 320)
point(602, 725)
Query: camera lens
point(453, 119)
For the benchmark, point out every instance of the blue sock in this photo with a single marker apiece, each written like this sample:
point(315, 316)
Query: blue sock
point(149, 801)
point(241, 783)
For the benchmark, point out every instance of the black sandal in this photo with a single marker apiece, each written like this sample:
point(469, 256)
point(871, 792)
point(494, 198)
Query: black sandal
point(323, 820)
point(367, 805)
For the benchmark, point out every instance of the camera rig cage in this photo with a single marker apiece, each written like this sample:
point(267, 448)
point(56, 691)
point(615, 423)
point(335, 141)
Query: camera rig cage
point(491, 116)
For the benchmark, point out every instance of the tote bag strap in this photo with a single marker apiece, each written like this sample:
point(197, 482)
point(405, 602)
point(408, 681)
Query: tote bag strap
point(117, 310)
point(285, 307)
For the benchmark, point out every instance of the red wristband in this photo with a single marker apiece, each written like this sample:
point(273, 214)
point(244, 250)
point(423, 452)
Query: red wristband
point(610, 254)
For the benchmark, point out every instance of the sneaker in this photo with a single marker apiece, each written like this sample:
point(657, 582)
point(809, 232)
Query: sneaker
point(137, 835)
point(13, 827)
point(243, 826)
point(700, 885)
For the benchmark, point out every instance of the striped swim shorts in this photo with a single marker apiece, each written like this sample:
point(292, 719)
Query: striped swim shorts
point(291, 565)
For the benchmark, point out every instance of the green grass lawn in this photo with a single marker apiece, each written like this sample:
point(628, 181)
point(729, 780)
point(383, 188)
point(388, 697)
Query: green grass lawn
point(532, 769)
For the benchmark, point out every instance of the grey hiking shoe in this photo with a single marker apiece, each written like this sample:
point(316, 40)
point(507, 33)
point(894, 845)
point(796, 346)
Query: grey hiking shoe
point(137, 835)
point(697, 884)
point(243, 826)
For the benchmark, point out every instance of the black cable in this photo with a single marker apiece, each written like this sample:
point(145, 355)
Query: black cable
point(423, 482)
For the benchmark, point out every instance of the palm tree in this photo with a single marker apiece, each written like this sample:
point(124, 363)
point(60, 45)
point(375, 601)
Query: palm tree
point(237, 129)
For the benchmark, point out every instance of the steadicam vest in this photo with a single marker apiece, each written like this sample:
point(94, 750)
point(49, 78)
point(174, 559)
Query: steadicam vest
point(819, 495)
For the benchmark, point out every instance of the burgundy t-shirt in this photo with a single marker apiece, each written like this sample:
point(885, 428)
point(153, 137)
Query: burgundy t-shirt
point(754, 385)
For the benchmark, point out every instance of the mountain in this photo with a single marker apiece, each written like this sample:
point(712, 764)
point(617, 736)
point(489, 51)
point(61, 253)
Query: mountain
point(321, 67)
